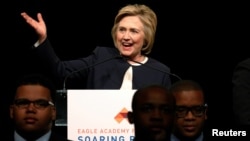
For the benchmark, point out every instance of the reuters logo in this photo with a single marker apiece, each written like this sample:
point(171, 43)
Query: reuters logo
point(121, 115)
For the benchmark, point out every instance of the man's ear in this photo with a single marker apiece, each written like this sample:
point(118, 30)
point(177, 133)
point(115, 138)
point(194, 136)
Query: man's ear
point(11, 108)
point(130, 117)
point(53, 112)
point(206, 113)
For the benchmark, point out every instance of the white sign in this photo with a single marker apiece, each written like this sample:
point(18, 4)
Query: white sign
point(99, 115)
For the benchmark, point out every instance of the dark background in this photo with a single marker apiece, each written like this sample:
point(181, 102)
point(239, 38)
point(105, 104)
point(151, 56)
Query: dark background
point(201, 41)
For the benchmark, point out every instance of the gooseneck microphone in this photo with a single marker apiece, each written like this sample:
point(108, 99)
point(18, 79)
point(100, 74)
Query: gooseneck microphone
point(61, 98)
point(148, 66)
point(64, 90)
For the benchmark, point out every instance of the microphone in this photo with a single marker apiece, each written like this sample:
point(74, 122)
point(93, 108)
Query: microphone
point(64, 91)
point(61, 97)
point(169, 73)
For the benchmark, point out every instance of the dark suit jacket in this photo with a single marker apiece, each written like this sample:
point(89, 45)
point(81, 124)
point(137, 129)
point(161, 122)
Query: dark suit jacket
point(54, 137)
point(241, 92)
point(103, 69)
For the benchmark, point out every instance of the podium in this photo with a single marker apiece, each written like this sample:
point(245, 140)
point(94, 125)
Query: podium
point(96, 114)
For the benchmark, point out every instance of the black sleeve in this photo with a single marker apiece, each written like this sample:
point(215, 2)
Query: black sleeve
point(241, 92)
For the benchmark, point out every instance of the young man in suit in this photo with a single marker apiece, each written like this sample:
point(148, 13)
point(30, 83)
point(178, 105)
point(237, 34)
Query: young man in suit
point(190, 111)
point(33, 110)
point(152, 113)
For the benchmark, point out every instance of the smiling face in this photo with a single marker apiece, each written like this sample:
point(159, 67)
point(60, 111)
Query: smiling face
point(32, 119)
point(130, 37)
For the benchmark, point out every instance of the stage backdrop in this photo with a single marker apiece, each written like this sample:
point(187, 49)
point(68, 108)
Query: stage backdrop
point(99, 115)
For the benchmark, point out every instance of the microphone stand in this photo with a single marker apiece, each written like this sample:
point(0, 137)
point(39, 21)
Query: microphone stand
point(172, 74)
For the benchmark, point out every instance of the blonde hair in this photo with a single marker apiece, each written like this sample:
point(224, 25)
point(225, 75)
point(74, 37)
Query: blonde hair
point(148, 19)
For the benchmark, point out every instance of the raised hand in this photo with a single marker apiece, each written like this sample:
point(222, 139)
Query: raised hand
point(38, 25)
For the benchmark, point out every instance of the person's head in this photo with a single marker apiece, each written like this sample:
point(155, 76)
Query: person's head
point(32, 110)
point(191, 109)
point(134, 30)
point(152, 113)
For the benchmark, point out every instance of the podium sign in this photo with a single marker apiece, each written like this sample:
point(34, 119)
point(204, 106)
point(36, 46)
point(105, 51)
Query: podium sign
point(99, 115)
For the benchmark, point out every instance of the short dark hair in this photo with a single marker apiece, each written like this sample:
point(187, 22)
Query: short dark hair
point(146, 89)
point(37, 79)
point(185, 85)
